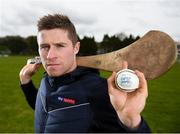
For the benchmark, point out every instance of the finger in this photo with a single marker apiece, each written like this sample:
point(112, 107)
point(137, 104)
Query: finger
point(30, 69)
point(112, 89)
point(35, 68)
point(37, 65)
point(111, 81)
point(142, 82)
point(125, 65)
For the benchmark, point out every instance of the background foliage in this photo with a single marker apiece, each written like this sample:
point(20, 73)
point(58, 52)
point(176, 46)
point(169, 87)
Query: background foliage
point(16, 45)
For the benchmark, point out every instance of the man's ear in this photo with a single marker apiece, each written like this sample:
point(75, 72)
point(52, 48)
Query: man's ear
point(76, 47)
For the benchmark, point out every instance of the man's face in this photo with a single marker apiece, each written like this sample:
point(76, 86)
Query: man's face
point(57, 52)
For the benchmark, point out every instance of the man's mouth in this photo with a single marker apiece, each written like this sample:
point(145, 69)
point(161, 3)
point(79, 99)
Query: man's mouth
point(52, 65)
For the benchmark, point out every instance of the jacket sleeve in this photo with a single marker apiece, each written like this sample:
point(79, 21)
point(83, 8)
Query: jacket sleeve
point(142, 128)
point(30, 93)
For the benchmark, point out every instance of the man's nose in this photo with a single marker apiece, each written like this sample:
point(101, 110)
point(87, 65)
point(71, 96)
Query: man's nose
point(51, 53)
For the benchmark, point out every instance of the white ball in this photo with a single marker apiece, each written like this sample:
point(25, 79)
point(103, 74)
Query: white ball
point(127, 80)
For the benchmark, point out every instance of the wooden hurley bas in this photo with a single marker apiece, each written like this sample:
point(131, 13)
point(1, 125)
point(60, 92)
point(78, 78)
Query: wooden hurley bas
point(153, 54)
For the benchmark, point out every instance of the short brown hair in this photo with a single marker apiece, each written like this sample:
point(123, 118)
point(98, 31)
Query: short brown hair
point(58, 21)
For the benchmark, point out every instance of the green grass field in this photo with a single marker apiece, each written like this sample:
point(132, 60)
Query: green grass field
point(161, 112)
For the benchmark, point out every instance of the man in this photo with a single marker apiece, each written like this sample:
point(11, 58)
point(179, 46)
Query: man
point(76, 99)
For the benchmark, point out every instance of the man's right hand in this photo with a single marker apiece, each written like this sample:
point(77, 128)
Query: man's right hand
point(27, 72)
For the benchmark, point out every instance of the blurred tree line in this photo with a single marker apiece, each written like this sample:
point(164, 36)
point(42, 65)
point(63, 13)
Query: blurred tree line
point(17, 45)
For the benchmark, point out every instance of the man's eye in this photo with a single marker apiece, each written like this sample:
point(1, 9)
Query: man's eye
point(44, 47)
point(60, 45)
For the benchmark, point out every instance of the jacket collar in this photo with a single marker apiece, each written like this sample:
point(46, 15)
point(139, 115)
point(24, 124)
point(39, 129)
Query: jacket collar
point(69, 77)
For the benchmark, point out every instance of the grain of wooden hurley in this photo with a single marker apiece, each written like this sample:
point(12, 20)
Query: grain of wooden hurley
point(153, 54)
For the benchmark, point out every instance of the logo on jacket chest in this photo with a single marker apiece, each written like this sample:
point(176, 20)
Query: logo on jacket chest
point(66, 100)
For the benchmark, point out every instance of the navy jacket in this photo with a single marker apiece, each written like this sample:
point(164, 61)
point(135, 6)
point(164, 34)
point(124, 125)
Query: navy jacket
point(75, 102)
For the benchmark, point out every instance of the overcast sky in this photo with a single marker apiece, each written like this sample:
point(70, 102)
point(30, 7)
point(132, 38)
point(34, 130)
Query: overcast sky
point(93, 17)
